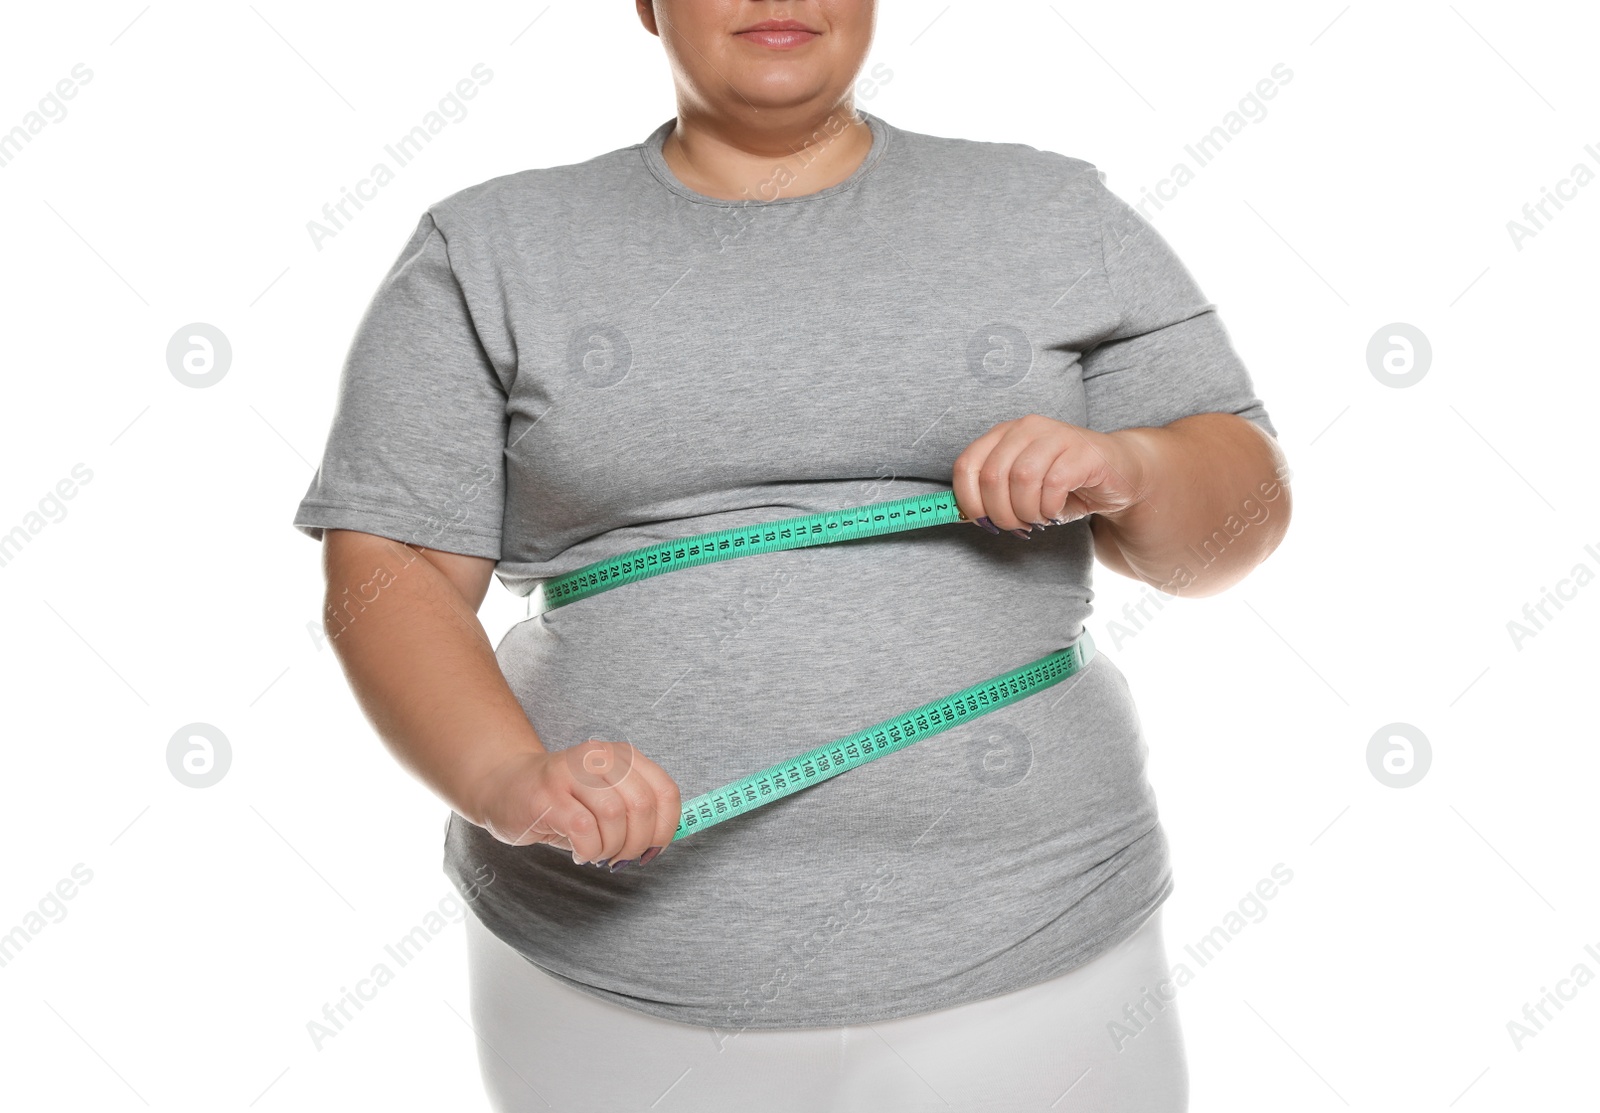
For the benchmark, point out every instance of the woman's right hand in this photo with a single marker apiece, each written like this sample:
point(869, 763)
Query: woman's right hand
point(601, 801)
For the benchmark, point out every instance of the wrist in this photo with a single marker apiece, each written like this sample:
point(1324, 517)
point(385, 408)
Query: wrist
point(479, 784)
point(1134, 462)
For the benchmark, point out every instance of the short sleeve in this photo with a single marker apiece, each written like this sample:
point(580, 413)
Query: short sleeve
point(1168, 356)
point(416, 450)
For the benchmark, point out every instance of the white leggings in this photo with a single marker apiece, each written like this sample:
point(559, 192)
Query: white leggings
point(543, 1045)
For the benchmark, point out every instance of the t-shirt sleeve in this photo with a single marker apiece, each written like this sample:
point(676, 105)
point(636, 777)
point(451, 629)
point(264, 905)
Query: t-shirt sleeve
point(416, 450)
point(1168, 355)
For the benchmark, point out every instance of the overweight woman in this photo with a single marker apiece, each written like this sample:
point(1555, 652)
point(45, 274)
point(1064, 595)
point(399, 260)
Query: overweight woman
point(774, 306)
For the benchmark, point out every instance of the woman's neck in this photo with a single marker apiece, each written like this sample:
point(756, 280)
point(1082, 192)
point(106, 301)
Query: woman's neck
point(733, 161)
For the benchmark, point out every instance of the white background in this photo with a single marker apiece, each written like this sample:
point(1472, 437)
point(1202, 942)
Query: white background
point(1377, 189)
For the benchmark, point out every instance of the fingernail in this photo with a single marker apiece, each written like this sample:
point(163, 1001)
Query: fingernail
point(649, 854)
point(1041, 525)
point(619, 865)
point(1026, 535)
point(601, 862)
point(1060, 521)
point(987, 524)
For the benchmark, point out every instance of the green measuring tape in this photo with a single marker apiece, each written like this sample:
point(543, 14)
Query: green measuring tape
point(843, 754)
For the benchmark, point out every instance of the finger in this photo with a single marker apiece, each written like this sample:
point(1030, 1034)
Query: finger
point(1069, 469)
point(994, 477)
point(590, 771)
point(665, 803)
point(653, 811)
point(609, 814)
point(965, 470)
point(1041, 462)
point(639, 819)
point(569, 825)
point(669, 802)
point(1046, 461)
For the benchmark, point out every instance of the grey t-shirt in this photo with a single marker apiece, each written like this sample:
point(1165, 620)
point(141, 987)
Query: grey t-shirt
point(567, 363)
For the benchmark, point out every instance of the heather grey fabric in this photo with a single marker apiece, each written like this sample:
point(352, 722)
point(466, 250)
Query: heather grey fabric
point(567, 363)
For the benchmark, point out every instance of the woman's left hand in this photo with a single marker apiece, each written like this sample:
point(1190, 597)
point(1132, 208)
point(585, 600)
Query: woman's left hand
point(1035, 470)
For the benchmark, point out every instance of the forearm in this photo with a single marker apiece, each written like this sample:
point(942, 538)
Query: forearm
point(422, 669)
point(1215, 504)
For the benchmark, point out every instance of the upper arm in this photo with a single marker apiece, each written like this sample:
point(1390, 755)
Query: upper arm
point(469, 574)
point(353, 559)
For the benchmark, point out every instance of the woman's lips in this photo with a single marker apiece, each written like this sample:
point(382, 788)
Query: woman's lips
point(778, 40)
